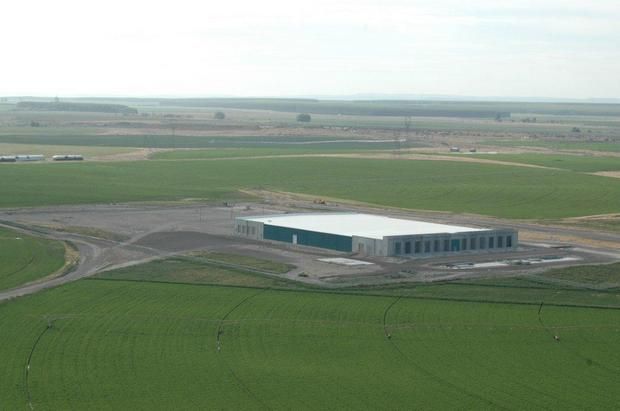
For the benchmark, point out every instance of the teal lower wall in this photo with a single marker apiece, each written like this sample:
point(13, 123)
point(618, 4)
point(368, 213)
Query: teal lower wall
point(309, 238)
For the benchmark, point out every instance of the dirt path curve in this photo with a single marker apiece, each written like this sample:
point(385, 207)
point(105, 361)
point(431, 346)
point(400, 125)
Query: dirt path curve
point(96, 255)
point(375, 156)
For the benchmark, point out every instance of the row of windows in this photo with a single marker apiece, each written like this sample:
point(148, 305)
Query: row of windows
point(450, 245)
point(246, 230)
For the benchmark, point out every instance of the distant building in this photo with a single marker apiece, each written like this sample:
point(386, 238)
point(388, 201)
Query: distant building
point(374, 235)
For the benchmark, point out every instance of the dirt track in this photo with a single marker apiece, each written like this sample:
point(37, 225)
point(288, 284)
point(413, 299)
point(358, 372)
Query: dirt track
point(374, 155)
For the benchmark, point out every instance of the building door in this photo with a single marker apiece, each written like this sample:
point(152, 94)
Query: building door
point(455, 245)
point(294, 238)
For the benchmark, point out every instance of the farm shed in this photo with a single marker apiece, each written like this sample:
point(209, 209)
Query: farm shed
point(375, 235)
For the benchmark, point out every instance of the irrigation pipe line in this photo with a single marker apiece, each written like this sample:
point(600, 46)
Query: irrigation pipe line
point(49, 326)
point(220, 332)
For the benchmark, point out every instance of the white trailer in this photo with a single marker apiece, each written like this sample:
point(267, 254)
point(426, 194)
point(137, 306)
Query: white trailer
point(29, 157)
point(68, 157)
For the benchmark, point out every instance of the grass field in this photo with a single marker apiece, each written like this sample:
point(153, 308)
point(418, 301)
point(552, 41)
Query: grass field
point(605, 275)
point(249, 152)
point(611, 146)
point(504, 191)
point(245, 261)
point(114, 344)
point(179, 141)
point(586, 164)
point(24, 258)
point(205, 270)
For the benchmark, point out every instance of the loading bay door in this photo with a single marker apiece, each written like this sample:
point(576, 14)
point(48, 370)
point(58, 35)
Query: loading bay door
point(455, 245)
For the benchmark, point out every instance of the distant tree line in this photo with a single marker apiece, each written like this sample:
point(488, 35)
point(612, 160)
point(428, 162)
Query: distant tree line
point(361, 108)
point(82, 107)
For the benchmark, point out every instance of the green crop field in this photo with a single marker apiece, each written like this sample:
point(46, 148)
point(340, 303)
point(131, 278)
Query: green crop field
point(212, 330)
point(24, 258)
point(179, 141)
point(206, 269)
point(255, 152)
point(116, 344)
point(497, 190)
point(611, 146)
point(585, 164)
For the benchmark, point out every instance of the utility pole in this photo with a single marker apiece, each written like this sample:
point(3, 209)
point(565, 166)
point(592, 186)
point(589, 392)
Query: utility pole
point(407, 123)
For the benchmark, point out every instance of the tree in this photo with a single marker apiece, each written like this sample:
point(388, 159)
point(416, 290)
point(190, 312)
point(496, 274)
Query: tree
point(219, 115)
point(305, 117)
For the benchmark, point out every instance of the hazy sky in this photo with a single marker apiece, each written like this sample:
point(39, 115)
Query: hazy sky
point(551, 48)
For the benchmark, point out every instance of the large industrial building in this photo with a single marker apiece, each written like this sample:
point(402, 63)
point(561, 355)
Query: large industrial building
point(374, 235)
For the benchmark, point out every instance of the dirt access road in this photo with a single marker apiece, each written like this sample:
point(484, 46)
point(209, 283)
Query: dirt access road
point(149, 232)
point(95, 255)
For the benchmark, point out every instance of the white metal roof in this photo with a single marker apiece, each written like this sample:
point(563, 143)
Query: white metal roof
point(361, 225)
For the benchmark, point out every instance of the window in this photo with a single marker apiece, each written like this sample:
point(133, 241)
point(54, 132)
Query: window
point(482, 244)
point(238, 228)
point(464, 244)
point(509, 241)
point(418, 247)
point(436, 246)
point(500, 241)
point(446, 245)
point(397, 249)
point(427, 246)
point(491, 242)
point(408, 247)
point(252, 230)
point(472, 243)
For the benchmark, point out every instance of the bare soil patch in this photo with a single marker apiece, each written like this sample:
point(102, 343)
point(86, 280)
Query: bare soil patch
point(614, 174)
point(558, 237)
point(135, 155)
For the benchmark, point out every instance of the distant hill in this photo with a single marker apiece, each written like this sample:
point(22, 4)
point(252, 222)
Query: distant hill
point(82, 107)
